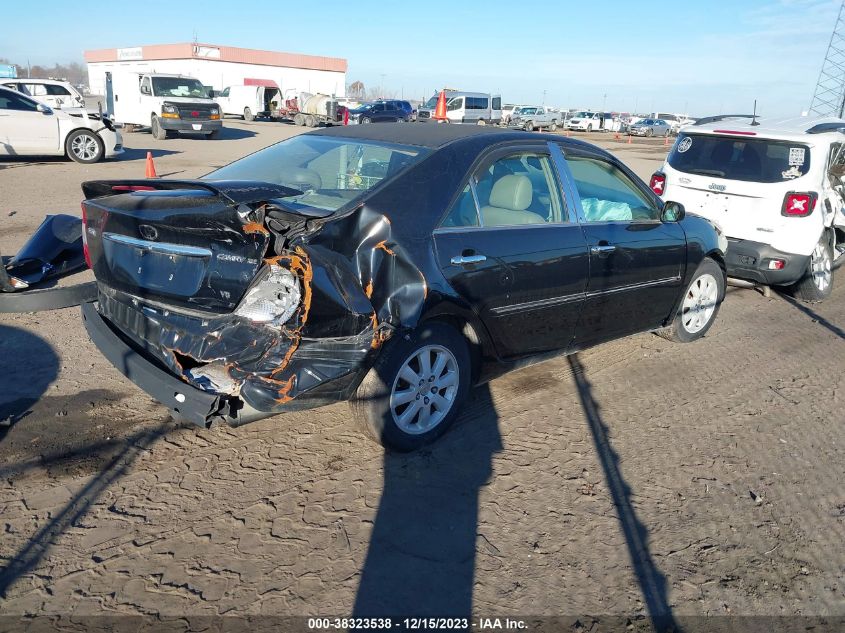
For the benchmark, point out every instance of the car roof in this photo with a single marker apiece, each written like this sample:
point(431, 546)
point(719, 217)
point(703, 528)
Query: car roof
point(779, 128)
point(434, 135)
point(33, 80)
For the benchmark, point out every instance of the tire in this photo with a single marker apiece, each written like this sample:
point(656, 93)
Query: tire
point(84, 146)
point(699, 305)
point(299, 119)
point(248, 115)
point(649, 132)
point(159, 133)
point(817, 282)
point(590, 127)
point(310, 121)
point(553, 127)
point(213, 135)
point(375, 406)
point(481, 122)
point(365, 120)
point(528, 127)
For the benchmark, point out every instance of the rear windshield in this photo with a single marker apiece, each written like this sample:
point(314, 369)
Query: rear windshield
point(750, 160)
point(330, 172)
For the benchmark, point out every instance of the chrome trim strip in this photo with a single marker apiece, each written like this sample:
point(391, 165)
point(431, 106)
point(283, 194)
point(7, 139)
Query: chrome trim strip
point(562, 300)
point(156, 247)
point(645, 284)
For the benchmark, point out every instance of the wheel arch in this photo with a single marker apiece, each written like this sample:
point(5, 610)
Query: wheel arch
point(470, 328)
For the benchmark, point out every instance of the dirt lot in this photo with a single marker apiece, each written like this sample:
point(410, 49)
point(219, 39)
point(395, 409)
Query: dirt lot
point(640, 477)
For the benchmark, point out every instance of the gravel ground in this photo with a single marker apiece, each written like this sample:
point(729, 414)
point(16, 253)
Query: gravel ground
point(637, 478)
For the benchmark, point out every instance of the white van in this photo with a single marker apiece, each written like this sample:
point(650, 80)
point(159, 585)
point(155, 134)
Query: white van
point(168, 104)
point(251, 101)
point(53, 92)
point(475, 108)
point(776, 188)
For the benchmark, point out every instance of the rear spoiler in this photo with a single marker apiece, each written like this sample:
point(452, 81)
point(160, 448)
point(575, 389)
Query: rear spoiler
point(233, 191)
point(821, 128)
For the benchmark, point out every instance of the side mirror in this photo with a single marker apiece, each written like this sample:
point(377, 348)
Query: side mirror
point(43, 109)
point(145, 90)
point(672, 212)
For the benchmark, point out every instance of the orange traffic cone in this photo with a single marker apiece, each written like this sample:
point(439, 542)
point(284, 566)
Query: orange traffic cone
point(440, 110)
point(666, 141)
point(630, 138)
point(151, 168)
point(616, 136)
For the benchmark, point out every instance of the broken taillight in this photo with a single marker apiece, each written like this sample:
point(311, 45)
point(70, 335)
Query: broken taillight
point(658, 183)
point(798, 205)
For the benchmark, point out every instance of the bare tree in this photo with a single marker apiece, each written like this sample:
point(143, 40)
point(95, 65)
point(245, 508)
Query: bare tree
point(356, 90)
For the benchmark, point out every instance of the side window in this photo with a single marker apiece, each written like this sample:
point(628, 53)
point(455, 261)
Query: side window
point(378, 107)
point(497, 103)
point(225, 92)
point(519, 189)
point(36, 90)
point(146, 82)
point(463, 212)
point(57, 91)
point(10, 101)
point(455, 104)
point(607, 194)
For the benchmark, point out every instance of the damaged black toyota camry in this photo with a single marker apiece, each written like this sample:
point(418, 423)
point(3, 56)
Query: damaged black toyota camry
point(393, 266)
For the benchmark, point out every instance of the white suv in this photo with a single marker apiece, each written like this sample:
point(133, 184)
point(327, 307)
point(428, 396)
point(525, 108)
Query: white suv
point(775, 187)
point(54, 92)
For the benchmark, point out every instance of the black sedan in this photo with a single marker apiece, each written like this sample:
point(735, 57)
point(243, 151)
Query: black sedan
point(393, 266)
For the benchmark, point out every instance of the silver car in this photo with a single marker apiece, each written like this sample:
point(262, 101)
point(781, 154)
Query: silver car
point(650, 127)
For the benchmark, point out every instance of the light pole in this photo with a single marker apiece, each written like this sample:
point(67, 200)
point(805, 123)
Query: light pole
point(381, 88)
point(544, 99)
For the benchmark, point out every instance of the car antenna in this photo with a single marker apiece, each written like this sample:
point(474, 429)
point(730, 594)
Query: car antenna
point(754, 116)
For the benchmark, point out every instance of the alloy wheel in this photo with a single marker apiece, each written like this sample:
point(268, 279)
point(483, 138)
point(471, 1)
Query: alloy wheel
point(699, 303)
point(820, 266)
point(424, 389)
point(84, 147)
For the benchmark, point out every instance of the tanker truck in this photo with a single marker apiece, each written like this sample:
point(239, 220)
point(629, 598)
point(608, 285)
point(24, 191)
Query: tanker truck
point(314, 109)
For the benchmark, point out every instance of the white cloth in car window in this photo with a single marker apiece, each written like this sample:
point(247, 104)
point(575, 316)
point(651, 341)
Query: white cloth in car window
point(596, 210)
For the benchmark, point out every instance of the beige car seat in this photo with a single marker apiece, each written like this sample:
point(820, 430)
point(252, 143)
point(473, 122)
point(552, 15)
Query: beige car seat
point(510, 197)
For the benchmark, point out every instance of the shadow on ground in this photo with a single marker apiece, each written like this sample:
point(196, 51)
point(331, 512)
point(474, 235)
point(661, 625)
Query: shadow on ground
point(421, 558)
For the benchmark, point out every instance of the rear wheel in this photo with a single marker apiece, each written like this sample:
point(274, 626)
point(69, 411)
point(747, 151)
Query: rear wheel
point(553, 127)
point(817, 282)
point(529, 126)
point(248, 115)
point(310, 121)
point(84, 146)
point(481, 122)
point(159, 133)
point(700, 304)
point(299, 119)
point(414, 391)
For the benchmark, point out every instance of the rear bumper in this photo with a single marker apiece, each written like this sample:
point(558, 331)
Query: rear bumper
point(750, 260)
point(187, 125)
point(190, 403)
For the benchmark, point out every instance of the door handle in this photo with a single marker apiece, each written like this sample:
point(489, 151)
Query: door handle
point(462, 260)
point(602, 248)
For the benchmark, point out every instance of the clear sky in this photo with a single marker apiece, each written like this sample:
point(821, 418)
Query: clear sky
point(697, 57)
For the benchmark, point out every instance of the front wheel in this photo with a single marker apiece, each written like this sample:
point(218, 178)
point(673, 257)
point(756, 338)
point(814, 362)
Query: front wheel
point(414, 391)
point(553, 127)
point(214, 134)
point(529, 127)
point(366, 120)
point(159, 133)
point(817, 282)
point(481, 122)
point(700, 304)
point(84, 146)
point(248, 115)
point(649, 132)
point(590, 127)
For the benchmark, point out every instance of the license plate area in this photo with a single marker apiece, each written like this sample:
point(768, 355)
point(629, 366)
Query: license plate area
point(196, 126)
point(169, 268)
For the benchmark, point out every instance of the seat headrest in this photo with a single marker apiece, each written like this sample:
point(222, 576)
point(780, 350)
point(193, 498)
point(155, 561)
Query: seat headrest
point(513, 191)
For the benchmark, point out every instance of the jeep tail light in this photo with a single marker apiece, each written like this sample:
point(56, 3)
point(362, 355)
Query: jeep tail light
point(658, 183)
point(85, 251)
point(798, 205)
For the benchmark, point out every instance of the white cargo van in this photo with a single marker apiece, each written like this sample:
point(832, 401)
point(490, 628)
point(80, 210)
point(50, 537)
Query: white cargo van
point(168, 104)
point(476, 108)
point(251, 101)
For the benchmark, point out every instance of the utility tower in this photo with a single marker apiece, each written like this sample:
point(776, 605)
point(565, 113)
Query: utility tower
point(829, 96)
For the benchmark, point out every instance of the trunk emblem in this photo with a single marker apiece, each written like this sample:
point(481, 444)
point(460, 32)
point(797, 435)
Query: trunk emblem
point(715, 187)
point(148, 232)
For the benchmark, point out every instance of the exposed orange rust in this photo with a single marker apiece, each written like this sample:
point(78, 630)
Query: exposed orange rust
point(300, 265)
point(383, 246)
point(285, 389)
point(369, 290)
point(251, 228)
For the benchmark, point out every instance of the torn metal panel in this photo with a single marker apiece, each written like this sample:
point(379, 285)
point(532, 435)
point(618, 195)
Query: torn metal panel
point(54, 250)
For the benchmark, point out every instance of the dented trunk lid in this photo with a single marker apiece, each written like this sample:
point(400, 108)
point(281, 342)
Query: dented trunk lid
point(188, 244)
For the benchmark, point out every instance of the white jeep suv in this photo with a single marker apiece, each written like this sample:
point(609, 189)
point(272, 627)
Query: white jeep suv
point(776, 188)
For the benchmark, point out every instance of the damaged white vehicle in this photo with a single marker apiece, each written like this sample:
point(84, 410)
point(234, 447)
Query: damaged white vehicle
point(31, 128)
point(775, 187)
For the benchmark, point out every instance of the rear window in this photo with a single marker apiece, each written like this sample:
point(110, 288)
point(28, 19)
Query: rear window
point(330, 172)
point(746, 159)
